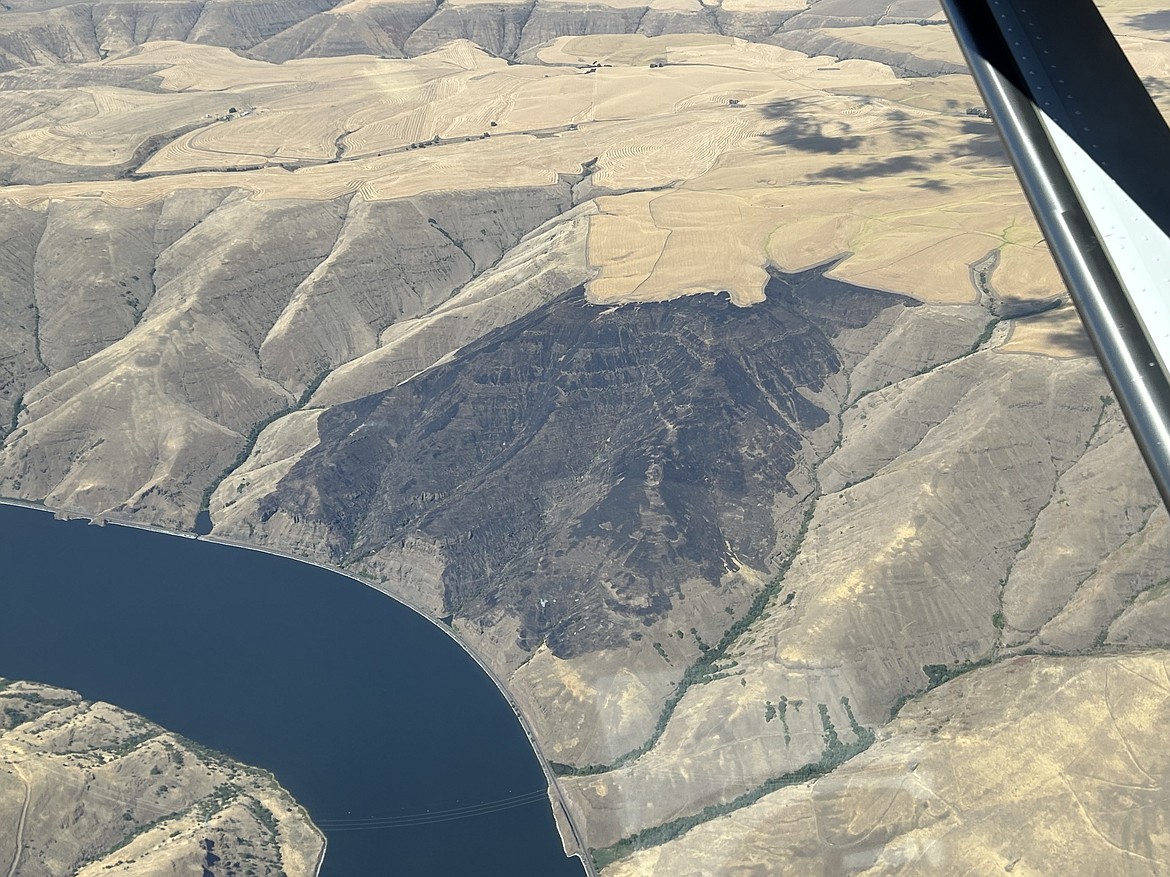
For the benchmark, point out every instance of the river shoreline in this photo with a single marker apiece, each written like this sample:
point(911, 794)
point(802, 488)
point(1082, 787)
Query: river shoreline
point(561, 812)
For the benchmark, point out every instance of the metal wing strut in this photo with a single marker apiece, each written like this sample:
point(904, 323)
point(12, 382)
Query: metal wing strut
point(1093, 154)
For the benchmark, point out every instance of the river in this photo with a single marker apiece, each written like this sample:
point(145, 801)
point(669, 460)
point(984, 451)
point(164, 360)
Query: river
point(391, 736)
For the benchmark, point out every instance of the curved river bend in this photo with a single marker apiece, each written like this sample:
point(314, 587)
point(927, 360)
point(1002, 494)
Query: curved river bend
point(390, 735)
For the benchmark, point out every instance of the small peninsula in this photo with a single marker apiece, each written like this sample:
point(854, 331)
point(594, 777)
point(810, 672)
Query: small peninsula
point(87, 788)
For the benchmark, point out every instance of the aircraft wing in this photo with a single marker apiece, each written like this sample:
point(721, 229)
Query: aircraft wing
point(1093, 154)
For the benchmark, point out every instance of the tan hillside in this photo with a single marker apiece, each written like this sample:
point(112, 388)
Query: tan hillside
point(979, 775)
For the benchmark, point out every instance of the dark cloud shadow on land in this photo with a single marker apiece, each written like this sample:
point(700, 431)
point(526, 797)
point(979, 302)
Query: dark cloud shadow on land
point(983, 142)
point(912, 134)
point(879, 167)
point(1027, 311)
point(800, 129)
point(1075, 341)
point(1156, 86)
point(1151, 20)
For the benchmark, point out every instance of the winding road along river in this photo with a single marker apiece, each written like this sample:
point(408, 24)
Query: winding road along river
point(391, 736)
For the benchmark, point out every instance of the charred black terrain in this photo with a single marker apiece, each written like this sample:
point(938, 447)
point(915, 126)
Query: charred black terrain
point(599, 456)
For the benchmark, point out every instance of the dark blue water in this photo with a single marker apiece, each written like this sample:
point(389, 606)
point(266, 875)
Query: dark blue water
point(362, 709)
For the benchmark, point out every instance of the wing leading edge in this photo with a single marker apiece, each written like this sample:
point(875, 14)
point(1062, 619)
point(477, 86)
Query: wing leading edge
point(1093, 155)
